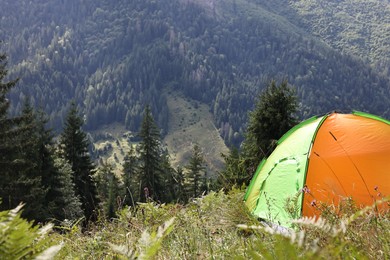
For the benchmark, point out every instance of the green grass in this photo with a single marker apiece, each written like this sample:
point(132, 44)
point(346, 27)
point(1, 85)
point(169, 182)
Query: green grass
point(215, 226)
point(218, 226)
point(190, 122)
point(112, 145)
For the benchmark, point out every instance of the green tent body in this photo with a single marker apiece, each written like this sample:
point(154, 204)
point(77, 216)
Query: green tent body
point(322, 160)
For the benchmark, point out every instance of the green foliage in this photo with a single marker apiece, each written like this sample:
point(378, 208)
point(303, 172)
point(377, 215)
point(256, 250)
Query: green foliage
point(19, 239)
point(273, 116)
point(218, 226)
point(108, 189)
point(148, 244)
point(130, 193)
point(292, 205)
point(10, 163)
point(179, 192)
point(234, 173)
point(27, 171)
point(153, 168)
point(351, 28)
point(114, 58)
point(74, 148)
point(30, 183)
point(196, 175)
point(341, 232)
point(62, 199)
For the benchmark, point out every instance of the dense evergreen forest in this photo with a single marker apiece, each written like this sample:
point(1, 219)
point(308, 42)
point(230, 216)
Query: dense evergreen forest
point(356, 27)
point(115, 57)
point(56, 179)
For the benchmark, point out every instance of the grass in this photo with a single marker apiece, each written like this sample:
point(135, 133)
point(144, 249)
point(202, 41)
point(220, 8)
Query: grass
point(111, 144)
point(218, 226)
point(190, 122)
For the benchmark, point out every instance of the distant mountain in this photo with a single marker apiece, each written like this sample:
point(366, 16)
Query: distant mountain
point(113, 57)
point(357, 27)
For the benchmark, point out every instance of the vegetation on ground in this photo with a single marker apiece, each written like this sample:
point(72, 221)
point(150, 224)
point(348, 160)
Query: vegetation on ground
point(218, 226)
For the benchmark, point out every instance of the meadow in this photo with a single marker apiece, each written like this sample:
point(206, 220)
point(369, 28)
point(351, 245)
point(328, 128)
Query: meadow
point(215, 226)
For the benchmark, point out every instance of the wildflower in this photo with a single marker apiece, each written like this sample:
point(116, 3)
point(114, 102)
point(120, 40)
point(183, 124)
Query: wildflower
point(146, 191)
point(313, 203)
point(305, 189)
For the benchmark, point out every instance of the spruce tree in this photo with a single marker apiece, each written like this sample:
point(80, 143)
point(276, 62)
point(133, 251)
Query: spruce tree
point(45, 164)
point(131, 178)
point(234, 173)
point(196, 173)
point(273, 115)
point(74, 146)
point(52, 195)
point(180, 194)
point(150, 170)
point(63, 202)
point(32, 152)
point(167, 175)
point(10, 162)
point(108, 189)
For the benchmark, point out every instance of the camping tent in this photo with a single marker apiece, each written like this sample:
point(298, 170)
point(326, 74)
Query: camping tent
point(323, 160)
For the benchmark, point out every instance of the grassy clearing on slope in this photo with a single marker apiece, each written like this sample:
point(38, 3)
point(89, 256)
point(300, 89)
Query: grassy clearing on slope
point(111, 144)
point(218, 226)
point(191, 123)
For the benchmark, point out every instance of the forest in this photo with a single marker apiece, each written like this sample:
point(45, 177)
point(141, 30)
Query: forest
point(56, 179)
point(114, 58)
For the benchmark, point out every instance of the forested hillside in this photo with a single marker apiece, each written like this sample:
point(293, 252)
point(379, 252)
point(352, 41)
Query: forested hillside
point(114, 57)
point(356, 27)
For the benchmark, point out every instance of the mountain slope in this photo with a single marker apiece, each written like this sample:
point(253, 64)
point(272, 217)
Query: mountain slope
point(191, 123)
point(113, 58)
point(358, 27)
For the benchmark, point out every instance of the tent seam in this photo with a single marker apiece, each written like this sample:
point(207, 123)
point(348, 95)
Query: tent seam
point(308, 156)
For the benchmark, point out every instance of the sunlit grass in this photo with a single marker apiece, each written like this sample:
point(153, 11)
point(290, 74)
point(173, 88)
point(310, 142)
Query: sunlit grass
point(218, 226)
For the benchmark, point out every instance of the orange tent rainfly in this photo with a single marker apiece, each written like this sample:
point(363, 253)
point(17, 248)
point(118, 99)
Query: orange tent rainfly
point(328, 158)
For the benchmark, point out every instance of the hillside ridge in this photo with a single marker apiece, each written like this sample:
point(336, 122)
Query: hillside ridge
point(113, 59)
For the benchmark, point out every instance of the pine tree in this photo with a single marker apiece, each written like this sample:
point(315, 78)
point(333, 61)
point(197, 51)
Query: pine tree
point(74, 145)
point(272, 116)
point(30, 179)
point(196, 173)
point(10, 162)
point(150, 160)
point(108, 189)
point(45, 165)
point(131, 178)
point(63, 201)
point(52, 195)
point(180, 194)
point(234, 173)
point(167, 175)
